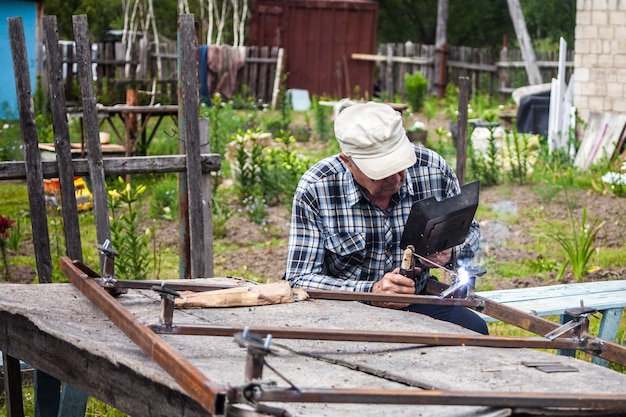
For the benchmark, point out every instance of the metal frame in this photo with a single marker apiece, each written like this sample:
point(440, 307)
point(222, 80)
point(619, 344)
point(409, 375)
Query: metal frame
point(221, 400)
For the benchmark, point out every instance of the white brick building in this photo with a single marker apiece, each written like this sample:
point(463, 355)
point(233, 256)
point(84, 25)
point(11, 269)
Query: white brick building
point(600, 57)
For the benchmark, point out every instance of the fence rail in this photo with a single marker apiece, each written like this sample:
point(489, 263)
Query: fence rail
point(494, 72)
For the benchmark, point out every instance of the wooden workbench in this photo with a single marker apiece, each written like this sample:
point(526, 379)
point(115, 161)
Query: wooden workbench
point(57, 330)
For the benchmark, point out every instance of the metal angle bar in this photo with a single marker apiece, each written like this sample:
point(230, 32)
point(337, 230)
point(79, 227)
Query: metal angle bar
point(437, 397)
point(210, 396)
point(434, 339)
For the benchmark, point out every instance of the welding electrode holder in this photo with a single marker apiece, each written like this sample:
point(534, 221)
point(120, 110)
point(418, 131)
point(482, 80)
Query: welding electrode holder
point(407, 267)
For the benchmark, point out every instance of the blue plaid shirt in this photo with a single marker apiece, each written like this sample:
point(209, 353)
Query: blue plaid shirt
point(339, 240)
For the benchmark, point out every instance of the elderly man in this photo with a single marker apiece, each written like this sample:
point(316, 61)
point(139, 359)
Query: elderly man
point(350, 209)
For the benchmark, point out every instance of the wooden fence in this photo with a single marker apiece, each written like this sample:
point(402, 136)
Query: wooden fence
point(152, 69)
point(495, 73)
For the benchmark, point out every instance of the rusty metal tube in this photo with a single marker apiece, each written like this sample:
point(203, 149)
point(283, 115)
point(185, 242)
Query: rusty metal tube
point(210, 396)
point(435, 339)
point(436, 397)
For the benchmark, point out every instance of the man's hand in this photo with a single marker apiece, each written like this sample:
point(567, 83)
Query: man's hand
point(394, 283)
point(437, 259)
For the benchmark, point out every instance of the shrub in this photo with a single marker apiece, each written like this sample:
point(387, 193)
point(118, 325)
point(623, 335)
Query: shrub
point(416, 87)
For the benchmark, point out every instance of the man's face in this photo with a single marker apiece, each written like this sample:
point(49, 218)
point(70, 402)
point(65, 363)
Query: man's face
point(376, 189)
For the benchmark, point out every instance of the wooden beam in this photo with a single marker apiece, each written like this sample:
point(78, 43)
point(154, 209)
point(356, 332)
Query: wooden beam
point(400, 59)
point(530, 61)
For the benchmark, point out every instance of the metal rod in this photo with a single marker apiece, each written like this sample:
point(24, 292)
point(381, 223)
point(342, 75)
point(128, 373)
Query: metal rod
point(436, 397)
point(435, 339)
point(210, 396)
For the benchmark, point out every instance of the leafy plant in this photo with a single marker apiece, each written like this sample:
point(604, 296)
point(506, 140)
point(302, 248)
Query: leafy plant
point(221, 212)
point(126, 236)
point(484, 165)
point(15, 235)
point(322, 114)
point(578, 244)
point(517, 147)
point(255, 209)
point(164, 199)
point(416, 87)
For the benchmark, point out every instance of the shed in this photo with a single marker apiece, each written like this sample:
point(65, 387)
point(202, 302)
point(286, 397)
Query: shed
point(319, 38)
point(31, 12)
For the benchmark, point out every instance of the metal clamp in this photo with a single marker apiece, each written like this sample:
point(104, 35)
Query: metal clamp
point(579, 323)
point(166, 316)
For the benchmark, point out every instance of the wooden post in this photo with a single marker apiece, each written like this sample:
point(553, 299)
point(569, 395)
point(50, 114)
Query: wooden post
point(39, 221)
point(389, 72)
point(190, 104)
point(461, 141)
point(503, 72)
point(441, 47)
point(130, 123)
point(92, 134)
point(442, 54)
point(62, 147)
point(13, 386)
point(530, 61)
point(207, 205)
point(183, 192)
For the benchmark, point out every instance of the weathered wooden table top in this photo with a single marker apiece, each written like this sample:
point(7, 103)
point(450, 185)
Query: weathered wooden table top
point(56, 329)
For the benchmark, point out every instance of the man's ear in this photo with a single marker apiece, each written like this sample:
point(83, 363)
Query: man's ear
point(345, 159)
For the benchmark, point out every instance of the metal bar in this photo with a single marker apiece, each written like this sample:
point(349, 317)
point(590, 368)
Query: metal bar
point(610, 351)
point(210, 396)
point(434, 339)
point(436, 397)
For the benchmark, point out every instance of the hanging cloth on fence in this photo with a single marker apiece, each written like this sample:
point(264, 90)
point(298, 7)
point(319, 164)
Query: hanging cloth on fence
point(225, 61)
point(203, 69)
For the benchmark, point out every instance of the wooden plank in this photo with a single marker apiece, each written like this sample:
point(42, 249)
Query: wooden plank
point(601, 137)
point(36, 199)
point(555, 299)
point(15, 170)
point(207, 205)
point(12, 386)
point(62, 147)
point(399, 59)
point(553, 291)
point(461, 145)
point(92, 135)
point(530, 61)
point(550, 306)
point(263, 90)
point(191, 113)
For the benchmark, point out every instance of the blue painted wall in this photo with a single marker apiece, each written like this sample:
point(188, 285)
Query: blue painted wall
point(27, 10)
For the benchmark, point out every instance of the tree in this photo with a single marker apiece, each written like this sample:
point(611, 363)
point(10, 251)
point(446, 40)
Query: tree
point(476, 23)
point(101, 14)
